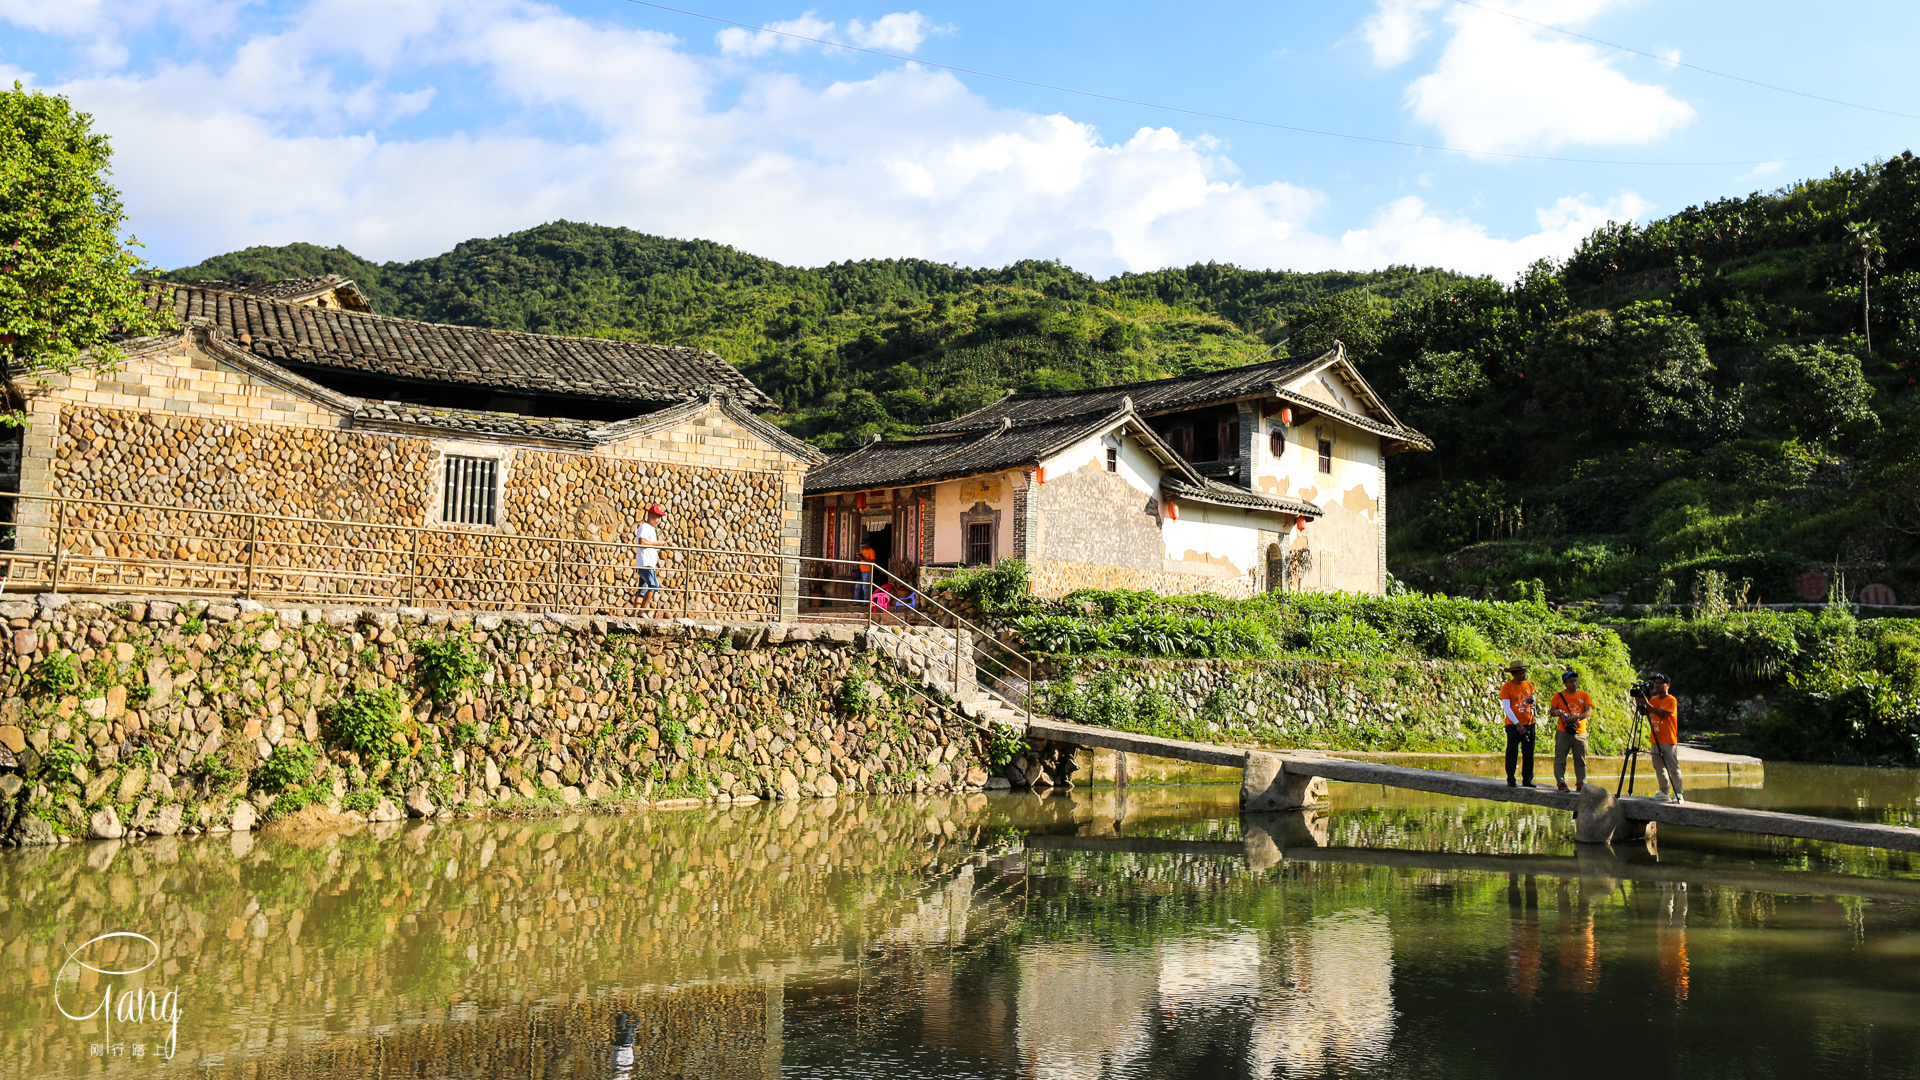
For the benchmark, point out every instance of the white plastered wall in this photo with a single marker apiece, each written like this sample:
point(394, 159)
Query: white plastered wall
point(955, 498)
point(1346, 538)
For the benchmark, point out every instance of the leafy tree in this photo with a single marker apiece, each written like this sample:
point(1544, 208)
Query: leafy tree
point(1644, 365)
point(1351, 318)
point(1812, 391)
point(67, 290)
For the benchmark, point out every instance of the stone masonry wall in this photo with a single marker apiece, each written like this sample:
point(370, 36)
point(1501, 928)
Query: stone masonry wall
point(1393, 705)
point(356, 482)
point(156, 717)
point(176, 427)
point(1053, 577)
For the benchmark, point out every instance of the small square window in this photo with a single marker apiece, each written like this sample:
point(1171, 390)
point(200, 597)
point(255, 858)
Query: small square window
point(1113, 460)
point(1326, 456)
point(470, 492)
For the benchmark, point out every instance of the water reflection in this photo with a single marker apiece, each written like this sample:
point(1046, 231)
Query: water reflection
point(1012, 936)
point(1328, 1000)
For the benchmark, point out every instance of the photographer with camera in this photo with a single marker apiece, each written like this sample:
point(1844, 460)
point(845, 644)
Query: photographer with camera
point(1571, 709)
point(1662, 711)
point(1516, 703)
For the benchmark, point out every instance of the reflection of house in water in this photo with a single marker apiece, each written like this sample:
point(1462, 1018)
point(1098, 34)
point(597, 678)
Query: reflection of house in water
point(1327, 997)
point(1319, 997)
point(1084, 1006)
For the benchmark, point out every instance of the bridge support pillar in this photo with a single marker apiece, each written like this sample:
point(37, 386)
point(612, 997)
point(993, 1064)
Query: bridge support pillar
point(1266, 785)
point(1268, 836)
point(1599, 819)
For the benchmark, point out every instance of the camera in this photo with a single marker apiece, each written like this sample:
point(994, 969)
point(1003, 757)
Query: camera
point(1640, 690)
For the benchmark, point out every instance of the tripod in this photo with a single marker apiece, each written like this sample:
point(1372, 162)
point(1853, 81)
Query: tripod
point(1630, 761)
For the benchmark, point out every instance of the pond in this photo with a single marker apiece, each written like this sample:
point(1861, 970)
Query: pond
point(1079, 935)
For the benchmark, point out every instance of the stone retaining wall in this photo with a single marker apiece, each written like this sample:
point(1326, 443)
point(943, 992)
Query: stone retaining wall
point(155, 716)
point(1396, 705)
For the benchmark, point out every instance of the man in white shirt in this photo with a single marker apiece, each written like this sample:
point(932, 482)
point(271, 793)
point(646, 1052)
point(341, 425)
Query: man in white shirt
point(647, 540)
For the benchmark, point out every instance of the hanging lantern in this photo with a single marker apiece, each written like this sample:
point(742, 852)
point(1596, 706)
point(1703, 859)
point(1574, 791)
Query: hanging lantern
point(860, 500)
point(1040, 475)
point(1173, 510)
point(1286, 416)
point(1300, 523)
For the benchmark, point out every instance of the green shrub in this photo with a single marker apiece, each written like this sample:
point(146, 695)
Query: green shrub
point(365, 721)
point(1153, 709)
point(449, 668)
point(1346, 637)
point(56, 676)
point(1062, 699)
point(1463, 642)
point(1835, 714)
point(290, 766)
point(993, 588)
point(295, 799)
point(360, 801)
point(1110, 703)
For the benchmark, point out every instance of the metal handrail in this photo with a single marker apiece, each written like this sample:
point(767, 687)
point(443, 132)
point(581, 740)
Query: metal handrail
point(249, 554)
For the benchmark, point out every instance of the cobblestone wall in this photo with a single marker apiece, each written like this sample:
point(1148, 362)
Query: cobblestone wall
point(157, 717)
point(566, 519)
point(1054, 577)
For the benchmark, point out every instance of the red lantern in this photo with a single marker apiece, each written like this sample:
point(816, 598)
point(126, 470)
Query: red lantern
point(1040, 475)
point(1286, 416)
point(1300, 523)
point(1173, 510)
point(860, 500)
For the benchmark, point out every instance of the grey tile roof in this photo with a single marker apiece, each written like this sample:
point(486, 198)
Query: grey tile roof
point(474, 422)
point(1152, 396)
point(907, 462)
point(1189, 391)
point(652, 376)
point(486, 424)
point(292, 290)
point(1232, 495)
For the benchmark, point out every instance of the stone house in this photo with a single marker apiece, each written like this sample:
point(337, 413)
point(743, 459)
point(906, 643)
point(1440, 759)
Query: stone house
point(401, 460)
point(1263, 477)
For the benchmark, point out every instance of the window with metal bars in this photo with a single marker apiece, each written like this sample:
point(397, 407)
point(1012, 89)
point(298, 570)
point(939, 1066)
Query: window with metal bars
point(1326, 456)
point(980, 543)
point(470, 493)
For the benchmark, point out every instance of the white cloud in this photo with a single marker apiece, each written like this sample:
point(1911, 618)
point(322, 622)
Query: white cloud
point(1406, 231)
point(899, 32)
point(1506, 86)
point(1396, 28)
point(736, 41)
point(273, 138)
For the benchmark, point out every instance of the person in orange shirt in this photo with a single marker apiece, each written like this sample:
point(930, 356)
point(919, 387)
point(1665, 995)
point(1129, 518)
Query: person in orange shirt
point(1663, 716)
point(864, 591)
point(1516, 707)
point(1572, 707)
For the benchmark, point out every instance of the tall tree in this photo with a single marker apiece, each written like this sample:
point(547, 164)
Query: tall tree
point(1863, 239)
point(66, 285)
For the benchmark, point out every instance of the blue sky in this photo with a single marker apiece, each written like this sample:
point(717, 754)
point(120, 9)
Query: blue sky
point(399, 128)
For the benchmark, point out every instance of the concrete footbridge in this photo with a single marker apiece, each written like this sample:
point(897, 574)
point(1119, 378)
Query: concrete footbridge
point(1274, 780)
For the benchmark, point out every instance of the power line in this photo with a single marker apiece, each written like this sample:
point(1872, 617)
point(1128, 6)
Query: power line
point(1212, 115)
point(1684, 64)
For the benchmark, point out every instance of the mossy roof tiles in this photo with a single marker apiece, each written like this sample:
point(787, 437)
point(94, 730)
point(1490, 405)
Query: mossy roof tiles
point(380, 346)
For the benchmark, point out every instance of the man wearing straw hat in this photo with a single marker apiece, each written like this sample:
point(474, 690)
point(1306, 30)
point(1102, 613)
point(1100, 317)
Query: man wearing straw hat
point(647, 542)
point(1516, 707)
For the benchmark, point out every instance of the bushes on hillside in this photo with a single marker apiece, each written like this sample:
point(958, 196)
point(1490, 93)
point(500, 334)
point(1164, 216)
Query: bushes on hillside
point(1330, 625)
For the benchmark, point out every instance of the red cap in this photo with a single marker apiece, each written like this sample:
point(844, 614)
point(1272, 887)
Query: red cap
point(656, 508)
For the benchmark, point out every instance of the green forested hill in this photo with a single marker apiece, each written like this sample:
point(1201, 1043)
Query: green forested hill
point(852, 347)
point(1698, 393)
